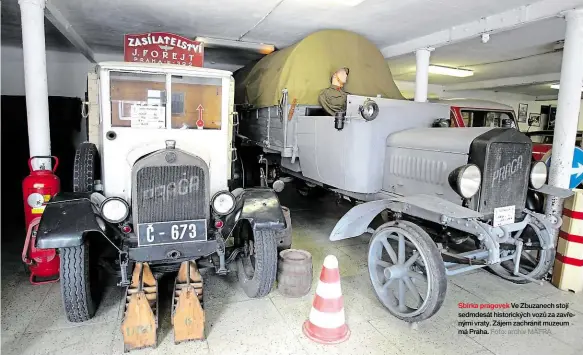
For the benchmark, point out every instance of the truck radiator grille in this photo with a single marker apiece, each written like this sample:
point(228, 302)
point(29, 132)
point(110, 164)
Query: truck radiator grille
point(170, 193)
point(505, 177)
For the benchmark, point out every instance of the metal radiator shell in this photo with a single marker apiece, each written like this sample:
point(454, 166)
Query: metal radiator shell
point(157, 204)
point(504, 156)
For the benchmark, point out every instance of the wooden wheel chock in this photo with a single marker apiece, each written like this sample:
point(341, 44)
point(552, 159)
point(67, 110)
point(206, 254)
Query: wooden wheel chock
point(187, 313)
point(140, 323)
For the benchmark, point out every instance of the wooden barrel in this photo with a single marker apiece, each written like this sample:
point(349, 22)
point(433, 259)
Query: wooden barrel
point(294, 272)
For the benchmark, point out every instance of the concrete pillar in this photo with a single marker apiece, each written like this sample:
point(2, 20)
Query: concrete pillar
point(35, 79)
point(568, 107)
point(422, 74)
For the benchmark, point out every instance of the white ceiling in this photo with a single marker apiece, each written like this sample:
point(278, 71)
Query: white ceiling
point(529, 50)
point(102, 23)
point(524, 51)
point(11, 32)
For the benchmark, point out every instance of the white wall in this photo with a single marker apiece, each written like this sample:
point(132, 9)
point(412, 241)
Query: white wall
point(537, 105)
point(66, 73)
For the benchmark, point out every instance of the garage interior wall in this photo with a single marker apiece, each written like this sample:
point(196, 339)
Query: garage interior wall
point(512, 99)
point(66, 72)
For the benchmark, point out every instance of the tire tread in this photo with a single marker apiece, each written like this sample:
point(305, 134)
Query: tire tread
point(265, 265)
point(85, 167)
point(75, 288)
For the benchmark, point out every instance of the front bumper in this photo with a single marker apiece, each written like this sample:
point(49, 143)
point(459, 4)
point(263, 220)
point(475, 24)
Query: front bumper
point(173, 251)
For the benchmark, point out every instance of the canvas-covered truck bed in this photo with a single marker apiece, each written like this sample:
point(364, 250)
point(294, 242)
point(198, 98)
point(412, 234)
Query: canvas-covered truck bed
point(277, 100)
point(305, 68)
point(350, 159)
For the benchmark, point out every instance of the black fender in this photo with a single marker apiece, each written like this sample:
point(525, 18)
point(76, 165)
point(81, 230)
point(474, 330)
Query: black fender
point(68, 217)
point(259, 206)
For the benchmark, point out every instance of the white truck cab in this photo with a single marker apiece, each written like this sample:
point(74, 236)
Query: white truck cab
point(142, 105)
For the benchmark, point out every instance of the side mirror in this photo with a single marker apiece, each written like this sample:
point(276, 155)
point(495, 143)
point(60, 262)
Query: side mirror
point(441, 122)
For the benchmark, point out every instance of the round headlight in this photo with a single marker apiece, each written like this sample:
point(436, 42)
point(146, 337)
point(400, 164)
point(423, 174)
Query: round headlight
point(466, 180)
point(369, 110)
point(538, 174)
point(223, 203)
point(115, 209)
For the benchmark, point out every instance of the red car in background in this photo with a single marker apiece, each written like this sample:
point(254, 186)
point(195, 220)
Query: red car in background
point(483, 113)
point(543, 142)
point(478, 113)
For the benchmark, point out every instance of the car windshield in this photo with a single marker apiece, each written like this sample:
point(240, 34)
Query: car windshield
point(486, 118)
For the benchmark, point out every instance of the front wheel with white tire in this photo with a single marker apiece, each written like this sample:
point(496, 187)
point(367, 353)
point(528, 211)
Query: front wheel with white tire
point(406, 271)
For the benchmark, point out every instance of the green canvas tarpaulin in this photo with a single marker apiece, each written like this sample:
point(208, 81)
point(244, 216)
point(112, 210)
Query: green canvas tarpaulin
point(305, 68)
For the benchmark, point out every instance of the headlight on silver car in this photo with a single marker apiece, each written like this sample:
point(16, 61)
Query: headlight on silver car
point(538, 174)
point(115, 209)
point(223, 203)
point(466, 180)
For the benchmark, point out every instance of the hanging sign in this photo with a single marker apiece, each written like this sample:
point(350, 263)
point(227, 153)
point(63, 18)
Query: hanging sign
point(163, 47)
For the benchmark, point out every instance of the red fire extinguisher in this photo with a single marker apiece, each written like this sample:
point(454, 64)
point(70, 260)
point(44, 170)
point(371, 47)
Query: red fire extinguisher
point(38, 188)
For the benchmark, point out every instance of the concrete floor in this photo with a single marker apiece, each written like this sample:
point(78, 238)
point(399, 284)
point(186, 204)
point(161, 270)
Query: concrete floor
point(33, 321)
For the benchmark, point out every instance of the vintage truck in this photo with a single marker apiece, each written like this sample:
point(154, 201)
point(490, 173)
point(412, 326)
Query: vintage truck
point(454, 199)
point(151, 193)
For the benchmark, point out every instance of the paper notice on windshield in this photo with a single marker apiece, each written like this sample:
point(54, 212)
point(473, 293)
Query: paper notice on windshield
point(148, 116)
point(503, 215)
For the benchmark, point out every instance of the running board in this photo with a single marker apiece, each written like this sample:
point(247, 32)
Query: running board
point(187, 313)
point(140, 321)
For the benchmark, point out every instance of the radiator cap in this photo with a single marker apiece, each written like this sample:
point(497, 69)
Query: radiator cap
point(170, 144)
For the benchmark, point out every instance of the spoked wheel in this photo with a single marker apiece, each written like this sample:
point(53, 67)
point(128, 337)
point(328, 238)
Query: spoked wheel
point(533, 263)
point(406, 271)
point(257, 266)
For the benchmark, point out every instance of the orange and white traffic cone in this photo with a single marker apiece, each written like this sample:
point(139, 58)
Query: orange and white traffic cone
point(326, 324)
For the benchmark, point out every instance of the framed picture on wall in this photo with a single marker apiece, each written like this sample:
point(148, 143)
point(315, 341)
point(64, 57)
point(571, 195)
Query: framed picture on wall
point(522, 112)
point(534, 119)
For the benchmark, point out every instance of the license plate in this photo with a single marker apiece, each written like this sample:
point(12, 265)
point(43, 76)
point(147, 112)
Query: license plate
point(504, 215)
point(172, 232)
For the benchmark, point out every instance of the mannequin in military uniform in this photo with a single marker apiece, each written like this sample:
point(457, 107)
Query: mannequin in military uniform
point(333, 98)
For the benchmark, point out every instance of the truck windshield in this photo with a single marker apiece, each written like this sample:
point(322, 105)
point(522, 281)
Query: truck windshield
point(485, 118)
point(137, 100)
point(196, 102)
point(141, 100)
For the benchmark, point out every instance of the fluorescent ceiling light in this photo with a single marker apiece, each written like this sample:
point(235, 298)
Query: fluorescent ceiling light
point(227, 43)
point(462, 73)
point(319, 3)
point(348, 2)
point(556, 86)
